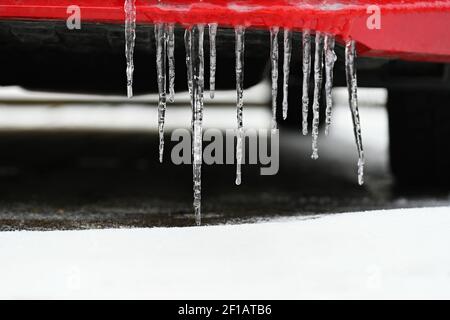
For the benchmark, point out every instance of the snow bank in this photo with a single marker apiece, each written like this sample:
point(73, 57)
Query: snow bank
point(378, 254)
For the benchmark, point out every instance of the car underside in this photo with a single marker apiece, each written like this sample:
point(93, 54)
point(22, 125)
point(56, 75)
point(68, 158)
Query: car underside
point(409, 54)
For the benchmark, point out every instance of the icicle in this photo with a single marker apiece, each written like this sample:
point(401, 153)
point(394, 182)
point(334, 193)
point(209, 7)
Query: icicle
point(286, 65)
point(240, 47)
point(274, 67)
point(160, 36)
point(212, 58)
point(318, 70)
point(352, 86)
point(187, 46)
point(130, 36)
point(330, 59)
point(306, 41)
point(197, 71)
point(171, 58)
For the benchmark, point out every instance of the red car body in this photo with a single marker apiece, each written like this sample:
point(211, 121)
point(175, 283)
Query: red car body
point(409, 29)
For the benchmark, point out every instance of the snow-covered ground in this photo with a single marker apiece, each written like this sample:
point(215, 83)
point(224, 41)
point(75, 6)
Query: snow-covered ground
point(378, 254)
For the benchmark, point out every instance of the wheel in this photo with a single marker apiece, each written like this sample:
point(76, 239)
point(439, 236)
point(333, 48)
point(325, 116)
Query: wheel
point(419, 136)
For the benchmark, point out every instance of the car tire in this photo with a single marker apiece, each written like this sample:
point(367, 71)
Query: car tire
point(419, 136)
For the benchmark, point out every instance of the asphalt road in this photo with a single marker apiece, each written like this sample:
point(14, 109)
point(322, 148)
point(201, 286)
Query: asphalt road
point(86, 178)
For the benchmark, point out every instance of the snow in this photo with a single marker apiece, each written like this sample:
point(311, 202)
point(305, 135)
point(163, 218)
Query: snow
point(399, 253)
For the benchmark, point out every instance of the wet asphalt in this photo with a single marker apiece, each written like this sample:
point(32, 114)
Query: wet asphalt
point(83, 179)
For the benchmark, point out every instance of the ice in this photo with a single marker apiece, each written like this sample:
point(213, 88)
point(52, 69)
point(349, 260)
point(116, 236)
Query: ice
point(212, 58)
point(306, 41)
point(240, 47)
point(330, 59)
point(381, 254)
point(187, 47)
point(352, 86)
point(161, 48)
point(274, 72)
point(130, 36)
point(318, 77)
point(194, 45)
point(171, 58)
point(197, 71)
point(286, 65)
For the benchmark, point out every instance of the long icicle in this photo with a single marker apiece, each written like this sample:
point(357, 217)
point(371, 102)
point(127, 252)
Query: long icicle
point(330, 59)
point(274, 72)
point(306, 42)
point(352, 86)
point(171, 58)
point(130, 36)
point(318, 77)
point(286, 66)
point(161, 48)
point(212, 58)
point(187, 47)
point(239, 51)
point(197, 68)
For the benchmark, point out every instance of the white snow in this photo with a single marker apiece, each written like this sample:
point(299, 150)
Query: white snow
point(379, 254)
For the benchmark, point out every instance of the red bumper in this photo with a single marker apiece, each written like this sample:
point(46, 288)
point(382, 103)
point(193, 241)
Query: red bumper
point(409, 29)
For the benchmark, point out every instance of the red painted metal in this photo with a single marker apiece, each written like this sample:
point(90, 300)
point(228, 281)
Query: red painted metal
point(410, 29)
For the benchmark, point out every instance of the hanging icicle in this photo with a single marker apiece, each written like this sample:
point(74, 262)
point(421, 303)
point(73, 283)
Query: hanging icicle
point(352, 86)
point(324, 55)
point(240, 47)
point(306, 41)
point(161, 48)
point(274, 72)
point(171, 58)
point(130, 36)
point(187, 47)
point(286, 65)
point(318, 77)
point(197, 71)
point(212, 58)
point(330, 59)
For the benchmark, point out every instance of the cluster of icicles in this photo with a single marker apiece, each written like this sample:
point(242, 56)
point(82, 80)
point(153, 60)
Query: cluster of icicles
point(324, 55)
